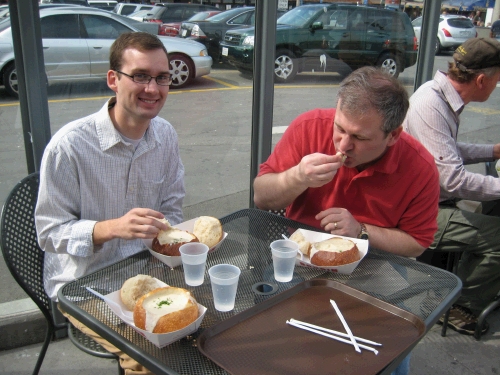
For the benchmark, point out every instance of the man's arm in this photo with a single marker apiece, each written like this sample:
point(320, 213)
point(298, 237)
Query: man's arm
point(274, 191)
point(339, 221)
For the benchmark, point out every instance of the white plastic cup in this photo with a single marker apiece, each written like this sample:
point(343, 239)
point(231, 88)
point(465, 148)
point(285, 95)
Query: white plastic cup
point(224, 279)
point(194, 259)
point(284, 255)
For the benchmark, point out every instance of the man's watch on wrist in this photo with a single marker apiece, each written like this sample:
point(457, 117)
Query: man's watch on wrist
point(364, 233)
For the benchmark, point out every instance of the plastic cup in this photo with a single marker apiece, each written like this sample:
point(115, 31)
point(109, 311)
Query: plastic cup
point(224, 279)
point(284, 255)
point(194, 259)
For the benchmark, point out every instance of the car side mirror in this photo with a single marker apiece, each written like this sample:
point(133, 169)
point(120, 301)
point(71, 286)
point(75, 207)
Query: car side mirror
point(318, 25)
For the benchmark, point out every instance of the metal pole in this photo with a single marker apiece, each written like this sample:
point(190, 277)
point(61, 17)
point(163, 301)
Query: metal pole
point(263, 86)
point(428, 38)
point(31, 79)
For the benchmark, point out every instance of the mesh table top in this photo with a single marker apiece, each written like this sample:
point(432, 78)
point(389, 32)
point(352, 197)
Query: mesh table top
point(421, 289)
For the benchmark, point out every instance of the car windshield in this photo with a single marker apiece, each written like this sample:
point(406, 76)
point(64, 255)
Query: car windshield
point(461, 23)
point(298, 16)
point(226, 14)
point(199, 16)
point(140, 13)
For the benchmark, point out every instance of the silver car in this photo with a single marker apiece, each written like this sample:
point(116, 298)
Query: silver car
point(453, 30)
point(76, 43)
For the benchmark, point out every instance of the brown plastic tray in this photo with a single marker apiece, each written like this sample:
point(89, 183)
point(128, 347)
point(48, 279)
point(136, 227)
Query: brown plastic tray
point(258, 340)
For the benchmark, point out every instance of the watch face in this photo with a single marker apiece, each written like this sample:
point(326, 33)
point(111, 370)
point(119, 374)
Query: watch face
point(364, 236)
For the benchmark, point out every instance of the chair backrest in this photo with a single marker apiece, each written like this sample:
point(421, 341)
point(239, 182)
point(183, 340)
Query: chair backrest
point(19, 243)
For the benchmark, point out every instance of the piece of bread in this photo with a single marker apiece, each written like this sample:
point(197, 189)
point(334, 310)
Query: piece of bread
point(304, 245)
point(165, 310)
point(208, 230)
point(334, 251)
point(168, 242)
point(135, 287)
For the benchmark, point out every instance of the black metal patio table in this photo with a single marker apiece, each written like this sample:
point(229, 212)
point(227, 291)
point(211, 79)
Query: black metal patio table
point(418, 288)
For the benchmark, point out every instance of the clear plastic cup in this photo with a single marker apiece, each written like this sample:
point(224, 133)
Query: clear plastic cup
point(194, 259)
point(284, 255)
point(224, 279)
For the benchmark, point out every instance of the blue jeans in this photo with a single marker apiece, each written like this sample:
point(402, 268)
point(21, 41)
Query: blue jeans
point(404, 367)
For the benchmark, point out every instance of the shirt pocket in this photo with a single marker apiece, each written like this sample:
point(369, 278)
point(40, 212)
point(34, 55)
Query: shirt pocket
point(150, 193)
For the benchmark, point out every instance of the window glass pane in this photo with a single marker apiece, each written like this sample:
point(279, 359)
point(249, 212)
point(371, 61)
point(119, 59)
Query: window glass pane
point(64, 26)
point(102, 27)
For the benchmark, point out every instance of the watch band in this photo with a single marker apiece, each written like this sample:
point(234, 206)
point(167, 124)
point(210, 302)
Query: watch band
point(363, 234)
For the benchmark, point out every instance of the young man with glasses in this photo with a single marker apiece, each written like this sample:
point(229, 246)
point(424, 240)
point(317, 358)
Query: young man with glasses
point(106, 178)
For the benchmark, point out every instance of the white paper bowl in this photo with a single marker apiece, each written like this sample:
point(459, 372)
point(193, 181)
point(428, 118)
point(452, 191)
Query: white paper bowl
point(312, 237)
point(158, 339)
point(174, 261)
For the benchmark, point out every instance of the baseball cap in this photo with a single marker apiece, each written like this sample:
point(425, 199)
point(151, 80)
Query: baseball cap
point(478, 53)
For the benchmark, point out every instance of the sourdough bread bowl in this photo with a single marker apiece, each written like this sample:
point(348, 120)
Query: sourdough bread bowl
point(135, 287)
point(168, 242)
point(165, 310)
point(334, 251)
point(208, 230)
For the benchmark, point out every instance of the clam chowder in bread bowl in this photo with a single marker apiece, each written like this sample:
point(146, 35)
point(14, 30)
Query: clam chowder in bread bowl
point(165, 310)
point(335, 251)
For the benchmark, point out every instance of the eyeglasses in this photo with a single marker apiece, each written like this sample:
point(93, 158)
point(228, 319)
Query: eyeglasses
point(161, 80)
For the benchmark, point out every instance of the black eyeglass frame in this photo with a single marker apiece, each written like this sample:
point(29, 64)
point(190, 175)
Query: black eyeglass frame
point(146, 75)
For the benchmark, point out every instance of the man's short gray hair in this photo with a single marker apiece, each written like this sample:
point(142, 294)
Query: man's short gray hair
point(372, 88)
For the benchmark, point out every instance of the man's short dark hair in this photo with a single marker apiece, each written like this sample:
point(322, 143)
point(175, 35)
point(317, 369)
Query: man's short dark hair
point(370, 87)
point(140, 41)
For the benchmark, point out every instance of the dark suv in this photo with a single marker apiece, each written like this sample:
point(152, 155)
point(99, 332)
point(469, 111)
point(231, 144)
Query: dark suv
point(168, 12)
point(334, 38)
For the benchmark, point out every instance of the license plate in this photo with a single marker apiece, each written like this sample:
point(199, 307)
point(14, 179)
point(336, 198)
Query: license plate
point(464, 33)
point(184, 32)
point(224, 51)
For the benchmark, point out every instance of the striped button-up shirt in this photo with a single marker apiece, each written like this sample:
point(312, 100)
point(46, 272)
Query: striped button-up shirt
point(90, 174)
point(433, 119)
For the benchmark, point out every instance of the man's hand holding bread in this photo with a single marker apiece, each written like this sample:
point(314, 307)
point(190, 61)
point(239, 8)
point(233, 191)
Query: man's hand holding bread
point(137, 223)
point(317, 169)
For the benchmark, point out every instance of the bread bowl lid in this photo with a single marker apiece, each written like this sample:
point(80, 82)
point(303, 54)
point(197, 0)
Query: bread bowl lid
point(158, 339)
point(175, 261)
point(347, 269)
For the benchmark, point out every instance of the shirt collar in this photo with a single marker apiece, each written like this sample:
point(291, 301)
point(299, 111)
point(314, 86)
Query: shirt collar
point(109, 136)
point(443, 85)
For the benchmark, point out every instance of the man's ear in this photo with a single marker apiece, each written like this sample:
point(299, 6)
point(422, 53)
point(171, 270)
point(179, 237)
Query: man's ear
point(394, 136)
point(111, 80)
point(480, 80)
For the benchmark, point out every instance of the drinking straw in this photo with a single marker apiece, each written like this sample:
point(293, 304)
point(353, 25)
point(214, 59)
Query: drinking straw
point(346, 327)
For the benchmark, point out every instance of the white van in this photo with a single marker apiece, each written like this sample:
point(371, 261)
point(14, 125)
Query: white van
point(128, 8)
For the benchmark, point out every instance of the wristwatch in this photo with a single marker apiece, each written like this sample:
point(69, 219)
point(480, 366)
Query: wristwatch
point(364, 233)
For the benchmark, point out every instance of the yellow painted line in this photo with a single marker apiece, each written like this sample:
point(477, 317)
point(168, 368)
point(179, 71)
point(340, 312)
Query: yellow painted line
point(220, 82)
point(483, 111)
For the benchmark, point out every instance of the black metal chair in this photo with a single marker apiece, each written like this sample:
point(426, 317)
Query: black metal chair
point(25, 260)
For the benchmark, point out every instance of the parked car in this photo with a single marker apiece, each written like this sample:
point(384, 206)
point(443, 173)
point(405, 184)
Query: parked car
point(103, 4)
point(128, 8)
point(68, 2)
point(76, 42)
point(4, 12)
point(178, 12)
point(139, 15)
point(211, 31)
point(453, 30)
point(333, 38)
point(172, 28)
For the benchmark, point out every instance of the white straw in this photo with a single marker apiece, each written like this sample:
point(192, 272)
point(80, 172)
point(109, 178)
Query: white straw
point(358, 339)
point(346, 327)
point(330, 336)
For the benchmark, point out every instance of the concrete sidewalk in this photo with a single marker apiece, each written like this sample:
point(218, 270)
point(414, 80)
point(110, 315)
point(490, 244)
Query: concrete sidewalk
point(450, 355)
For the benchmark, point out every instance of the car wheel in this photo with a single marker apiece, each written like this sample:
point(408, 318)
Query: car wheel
point(285, 66)
point(438, 48)
point(181, 68)
point(10, 80)
point(390, 64)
